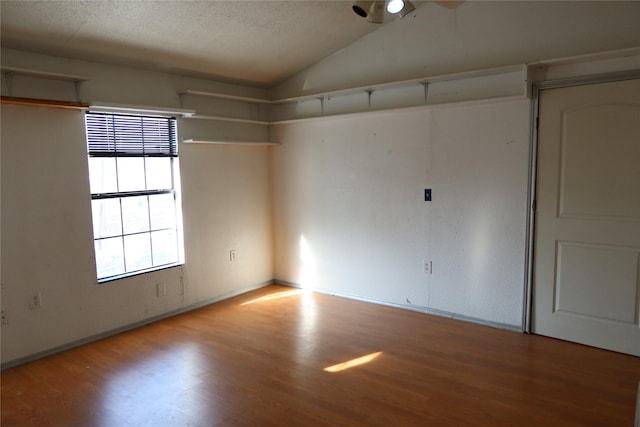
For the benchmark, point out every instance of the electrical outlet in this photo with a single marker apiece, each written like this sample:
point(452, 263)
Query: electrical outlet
point(5, 321)
point(35, 301)
point(427, 267)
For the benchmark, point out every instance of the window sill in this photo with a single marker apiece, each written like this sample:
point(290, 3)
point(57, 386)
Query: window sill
point(138, 273)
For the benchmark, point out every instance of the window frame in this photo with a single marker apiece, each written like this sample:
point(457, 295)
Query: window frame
point(115, 151)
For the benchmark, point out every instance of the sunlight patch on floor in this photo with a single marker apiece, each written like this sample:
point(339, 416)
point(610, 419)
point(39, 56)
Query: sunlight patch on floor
point(273, 296)
point(353, 362)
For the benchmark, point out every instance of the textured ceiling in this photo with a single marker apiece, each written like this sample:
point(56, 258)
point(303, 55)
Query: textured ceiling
point(255, 42)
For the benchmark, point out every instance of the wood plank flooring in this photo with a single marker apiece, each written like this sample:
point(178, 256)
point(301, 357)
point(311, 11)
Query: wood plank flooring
point(259, 360)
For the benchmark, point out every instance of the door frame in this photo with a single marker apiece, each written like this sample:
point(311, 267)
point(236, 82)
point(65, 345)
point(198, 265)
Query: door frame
point(536, 88)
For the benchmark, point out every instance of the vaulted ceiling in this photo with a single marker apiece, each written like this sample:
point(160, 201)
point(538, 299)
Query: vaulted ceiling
point(260, 43)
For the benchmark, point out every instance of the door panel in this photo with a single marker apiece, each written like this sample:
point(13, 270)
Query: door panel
point(595, 141)
point(587, 238)
point(584, 274)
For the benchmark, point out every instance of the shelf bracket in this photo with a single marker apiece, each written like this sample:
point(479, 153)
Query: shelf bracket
point(321, 98)
point(76, 86)
point(369, 93)
point(425, 86)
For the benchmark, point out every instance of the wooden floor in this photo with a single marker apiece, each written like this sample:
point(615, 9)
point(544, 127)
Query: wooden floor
point(260, 360)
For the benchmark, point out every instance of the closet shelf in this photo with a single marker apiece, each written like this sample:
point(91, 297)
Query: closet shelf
point(12, 71)
point(435, 89)
point(366, 89)
point(226, 142)
point(224, 96)
point(111, 107)
point(227, 119)
point(403, 83)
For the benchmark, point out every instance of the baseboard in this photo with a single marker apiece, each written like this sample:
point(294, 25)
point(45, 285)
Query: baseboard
point(131, 326)
point(426, 310)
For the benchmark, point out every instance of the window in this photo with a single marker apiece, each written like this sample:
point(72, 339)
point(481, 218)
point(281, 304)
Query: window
point(133, 171)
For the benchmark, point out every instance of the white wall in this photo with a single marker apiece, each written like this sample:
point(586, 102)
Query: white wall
point(47, 241)
point(353, 189)
point(226, 205)
point(477, 34)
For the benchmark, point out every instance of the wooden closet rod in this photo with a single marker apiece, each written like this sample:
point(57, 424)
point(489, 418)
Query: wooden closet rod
point(47, 103)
